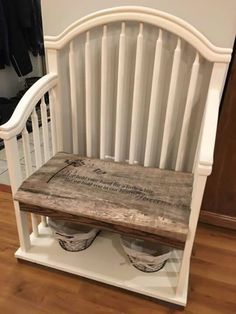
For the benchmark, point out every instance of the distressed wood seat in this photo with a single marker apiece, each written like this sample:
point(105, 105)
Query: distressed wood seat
point(142, 202)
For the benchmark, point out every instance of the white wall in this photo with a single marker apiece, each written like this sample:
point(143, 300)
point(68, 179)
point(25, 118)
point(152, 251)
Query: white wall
point(216, 19)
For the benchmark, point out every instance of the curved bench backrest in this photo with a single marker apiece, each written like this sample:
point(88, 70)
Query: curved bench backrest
point(133, 86)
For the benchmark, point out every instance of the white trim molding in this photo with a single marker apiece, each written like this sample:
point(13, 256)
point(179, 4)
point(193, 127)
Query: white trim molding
point(160, 19)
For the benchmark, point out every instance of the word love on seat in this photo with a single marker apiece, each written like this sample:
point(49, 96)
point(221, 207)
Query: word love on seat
point(143, 202)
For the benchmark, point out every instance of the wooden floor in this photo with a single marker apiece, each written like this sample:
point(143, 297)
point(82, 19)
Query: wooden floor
point(28, 288)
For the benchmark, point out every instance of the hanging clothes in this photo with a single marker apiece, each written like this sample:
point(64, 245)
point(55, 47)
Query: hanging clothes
point(4, 49)
point(34, 32)
point(24, 33)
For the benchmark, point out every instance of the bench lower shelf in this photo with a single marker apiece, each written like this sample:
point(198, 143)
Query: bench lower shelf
point(106, 262)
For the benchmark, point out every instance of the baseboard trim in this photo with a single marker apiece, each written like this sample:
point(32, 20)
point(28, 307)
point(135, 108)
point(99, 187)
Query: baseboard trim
point(215, 219)
point(5, 188)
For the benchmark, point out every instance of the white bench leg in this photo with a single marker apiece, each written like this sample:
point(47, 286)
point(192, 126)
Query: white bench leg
point(22, 228)
point(14, 170)
point(198, 190)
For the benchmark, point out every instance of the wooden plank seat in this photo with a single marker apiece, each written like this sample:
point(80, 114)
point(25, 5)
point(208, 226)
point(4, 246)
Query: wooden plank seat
point(147, 203)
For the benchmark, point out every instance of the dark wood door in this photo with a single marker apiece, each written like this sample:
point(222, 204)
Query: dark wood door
point(219, 202)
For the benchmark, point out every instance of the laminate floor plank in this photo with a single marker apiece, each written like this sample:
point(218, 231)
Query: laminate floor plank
point(216, 237)
point(211, 288)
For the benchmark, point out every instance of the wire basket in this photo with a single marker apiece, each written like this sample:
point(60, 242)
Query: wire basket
point(72, 237)
point(144, 255)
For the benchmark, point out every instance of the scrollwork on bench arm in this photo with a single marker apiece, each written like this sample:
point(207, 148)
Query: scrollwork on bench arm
point(26, 105)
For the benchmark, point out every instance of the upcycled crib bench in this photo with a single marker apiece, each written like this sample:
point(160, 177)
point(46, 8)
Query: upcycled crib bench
point(146, 203)
point(136, 85)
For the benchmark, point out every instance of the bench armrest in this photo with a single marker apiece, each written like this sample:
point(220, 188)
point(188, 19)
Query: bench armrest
point(208, 134)
point(26, 105)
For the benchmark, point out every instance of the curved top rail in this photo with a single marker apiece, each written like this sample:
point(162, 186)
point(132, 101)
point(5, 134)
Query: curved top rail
point(146, 15)
point(26, 105)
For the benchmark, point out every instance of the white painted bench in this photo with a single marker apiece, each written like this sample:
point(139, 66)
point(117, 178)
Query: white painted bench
point(134, 85)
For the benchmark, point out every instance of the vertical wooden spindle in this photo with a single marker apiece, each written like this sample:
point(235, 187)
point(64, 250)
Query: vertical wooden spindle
point(136, 119)
point(182, 149)
point(104, 93)
point(36, 138)
point(29, 170)
point(26, 149)
point(74, 108)
point(44, 118)
point(53, 120)
point(170, 112)
point(155, 107)
point(88, 95)
point(37, 146)
point(121, 130)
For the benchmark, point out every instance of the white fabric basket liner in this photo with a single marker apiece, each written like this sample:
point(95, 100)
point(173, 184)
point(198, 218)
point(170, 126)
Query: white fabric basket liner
point(145, 257)
point(67, 231)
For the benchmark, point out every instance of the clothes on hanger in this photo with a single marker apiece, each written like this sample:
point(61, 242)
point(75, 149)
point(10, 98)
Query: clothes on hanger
point(8, 105)
point(21, 26)
point(4, 49)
